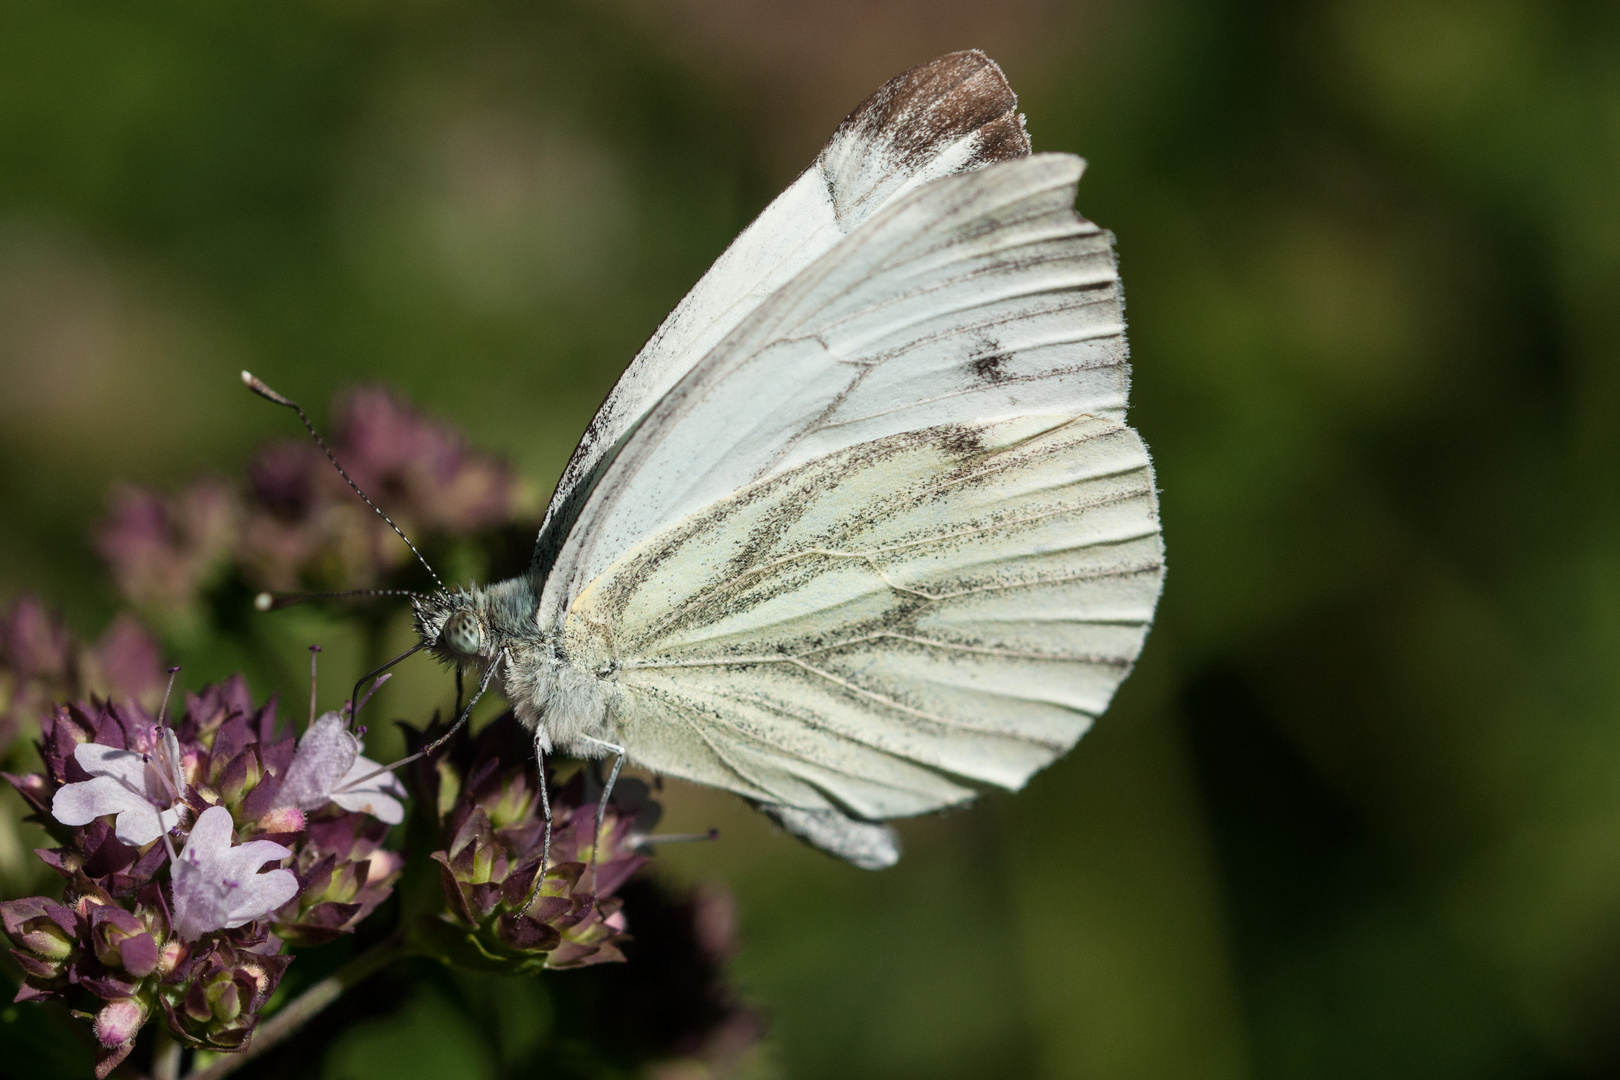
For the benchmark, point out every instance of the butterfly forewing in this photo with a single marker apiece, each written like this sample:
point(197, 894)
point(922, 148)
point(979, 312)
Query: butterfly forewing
point(923, 282)
point(954, 114)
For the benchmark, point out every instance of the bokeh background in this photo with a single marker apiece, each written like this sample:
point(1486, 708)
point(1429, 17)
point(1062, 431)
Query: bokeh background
point(1357, 813)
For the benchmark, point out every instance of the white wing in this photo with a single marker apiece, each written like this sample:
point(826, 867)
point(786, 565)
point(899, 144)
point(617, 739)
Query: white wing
point(979, 296)
point(887, 540)
point(954, 114)
point(883, 630)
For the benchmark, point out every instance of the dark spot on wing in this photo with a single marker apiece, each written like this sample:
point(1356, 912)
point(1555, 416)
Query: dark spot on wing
point(989, 368)
point(962, 440)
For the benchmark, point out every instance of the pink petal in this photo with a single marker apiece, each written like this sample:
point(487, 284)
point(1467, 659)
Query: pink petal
point(138, 820)
point(378, 796)
point(260, 895)
point(323, 758)
point(199, 892)
point(125, 766)
point(210, 836)
point(217, 886)
point(245, 859)
point(365, 801)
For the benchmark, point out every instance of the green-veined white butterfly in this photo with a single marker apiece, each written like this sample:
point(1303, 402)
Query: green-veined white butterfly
point(861, 531)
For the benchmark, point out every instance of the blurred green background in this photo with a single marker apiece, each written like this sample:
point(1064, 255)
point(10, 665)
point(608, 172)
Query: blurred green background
point(1357, 814)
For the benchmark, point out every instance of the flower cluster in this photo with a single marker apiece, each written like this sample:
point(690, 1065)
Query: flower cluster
point(194, 854)
point(172, 844)
point(163, 551)
point(41, 662)
point(299, 525)
point(493, 832)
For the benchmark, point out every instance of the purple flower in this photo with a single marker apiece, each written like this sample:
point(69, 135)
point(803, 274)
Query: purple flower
point(214, 997)
point(143, 790)
point(218, 886)
point(33, 641)
point(494, 841)
point(305, 528)
point(328, 767)
point(441, 484)
point(127, 662)
point(129, 942)
point(344, 875)
point(163, 550)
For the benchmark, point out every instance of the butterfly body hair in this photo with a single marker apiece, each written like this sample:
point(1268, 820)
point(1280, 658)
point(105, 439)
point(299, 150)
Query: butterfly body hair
point(481, 626)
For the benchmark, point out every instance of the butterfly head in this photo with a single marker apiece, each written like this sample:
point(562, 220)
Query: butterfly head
point(472, 626)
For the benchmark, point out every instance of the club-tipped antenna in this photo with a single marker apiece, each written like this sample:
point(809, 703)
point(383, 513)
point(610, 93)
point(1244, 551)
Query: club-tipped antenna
point(269, 601)
point(258, 387)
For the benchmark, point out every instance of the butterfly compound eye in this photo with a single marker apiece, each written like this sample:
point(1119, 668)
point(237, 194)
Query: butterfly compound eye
point(461, 633)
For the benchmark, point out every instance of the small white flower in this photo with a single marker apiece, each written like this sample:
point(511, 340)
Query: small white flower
point(217, 886)
point(144, 790)
point(328, 767)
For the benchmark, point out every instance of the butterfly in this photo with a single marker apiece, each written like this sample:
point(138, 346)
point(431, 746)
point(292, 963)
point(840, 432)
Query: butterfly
point(861, 532)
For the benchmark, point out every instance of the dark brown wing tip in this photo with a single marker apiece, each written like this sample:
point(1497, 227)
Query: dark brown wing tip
point(942, 101)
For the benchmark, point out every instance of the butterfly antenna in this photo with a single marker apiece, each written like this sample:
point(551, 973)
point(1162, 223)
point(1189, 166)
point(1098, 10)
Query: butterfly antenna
point(268, 601)
point(268, 394)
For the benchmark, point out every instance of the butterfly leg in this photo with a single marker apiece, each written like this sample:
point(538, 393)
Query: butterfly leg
point(483, 684)
point(545, 810)
point(601, 804)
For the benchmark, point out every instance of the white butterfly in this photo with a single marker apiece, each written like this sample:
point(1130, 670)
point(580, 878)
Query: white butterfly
point(861, 532)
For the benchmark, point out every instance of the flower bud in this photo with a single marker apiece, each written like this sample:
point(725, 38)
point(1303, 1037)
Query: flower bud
point(495, 843)
point(46, 939)
point(122, 939)
point(343, 874)
point(172, 954)
point(283, 819)
point(240, 776)
point(214, 996)
point(223, 996)
point(119, 1020)
point(40, 926)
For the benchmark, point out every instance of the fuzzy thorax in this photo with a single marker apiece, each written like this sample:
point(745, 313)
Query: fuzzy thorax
point(556, 700)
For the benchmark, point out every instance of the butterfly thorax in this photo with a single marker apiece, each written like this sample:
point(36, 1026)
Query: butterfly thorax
point(497, 625)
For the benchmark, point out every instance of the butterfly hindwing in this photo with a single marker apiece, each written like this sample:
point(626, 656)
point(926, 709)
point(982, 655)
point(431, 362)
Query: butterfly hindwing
point(885, 630)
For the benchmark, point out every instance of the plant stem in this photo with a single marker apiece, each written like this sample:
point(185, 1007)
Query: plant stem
point(166, 1057)
point(296, 1013)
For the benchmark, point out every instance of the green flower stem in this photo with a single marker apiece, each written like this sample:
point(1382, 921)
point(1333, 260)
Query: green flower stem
point(166, 1058)
point(307, 1005)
